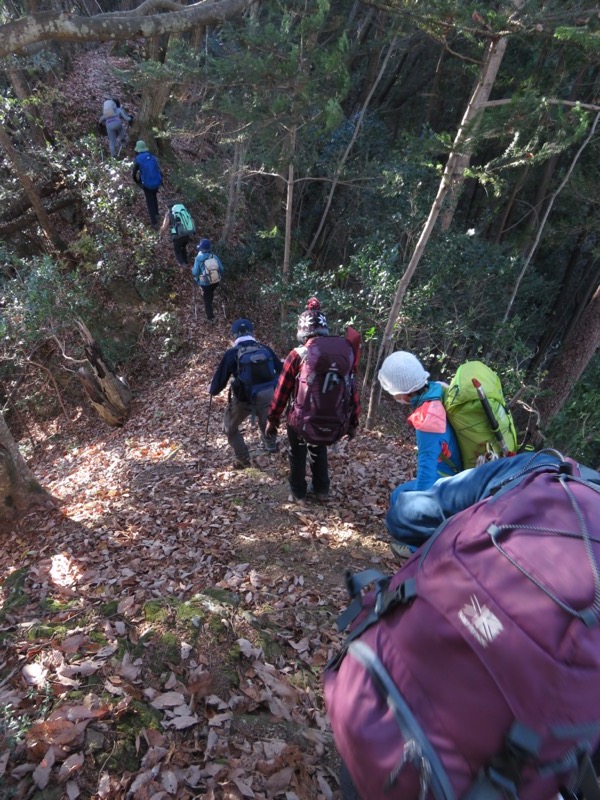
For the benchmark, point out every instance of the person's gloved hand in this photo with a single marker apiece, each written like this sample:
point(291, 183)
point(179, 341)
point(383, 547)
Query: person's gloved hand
point(271, 429)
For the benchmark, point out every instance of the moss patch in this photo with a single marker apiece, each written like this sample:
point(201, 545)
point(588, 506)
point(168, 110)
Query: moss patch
point(156, 610)
point(109, 609)
point(56, 606)
point(139, 716)
point(165, 652)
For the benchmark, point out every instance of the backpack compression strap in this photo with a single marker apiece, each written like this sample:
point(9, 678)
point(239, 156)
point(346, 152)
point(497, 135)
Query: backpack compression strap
point(500, 779)
point(385, 600)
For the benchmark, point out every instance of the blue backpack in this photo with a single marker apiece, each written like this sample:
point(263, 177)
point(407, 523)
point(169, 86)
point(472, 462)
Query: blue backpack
point(255, 371)
point(150, 173)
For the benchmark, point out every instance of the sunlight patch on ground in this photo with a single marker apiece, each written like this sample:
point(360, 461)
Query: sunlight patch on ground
point(64, 571)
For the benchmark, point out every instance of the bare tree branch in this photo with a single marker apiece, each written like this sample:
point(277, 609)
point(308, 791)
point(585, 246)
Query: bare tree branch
point(550, 100)
point(15, 36)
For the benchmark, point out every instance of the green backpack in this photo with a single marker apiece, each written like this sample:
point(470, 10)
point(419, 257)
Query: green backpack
point(182, 223)
point(467, 415)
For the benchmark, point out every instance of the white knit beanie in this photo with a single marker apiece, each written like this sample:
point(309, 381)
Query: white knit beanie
point(402, 373)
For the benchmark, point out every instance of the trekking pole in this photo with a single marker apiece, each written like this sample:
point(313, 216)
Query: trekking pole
point(490, 416)
point(207, 423)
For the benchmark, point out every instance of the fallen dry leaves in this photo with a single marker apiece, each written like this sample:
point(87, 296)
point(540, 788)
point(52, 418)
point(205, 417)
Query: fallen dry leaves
point(177, 614)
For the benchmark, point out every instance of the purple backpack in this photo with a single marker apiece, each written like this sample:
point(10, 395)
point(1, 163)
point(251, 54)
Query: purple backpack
point(474, 672)
point(322, 405)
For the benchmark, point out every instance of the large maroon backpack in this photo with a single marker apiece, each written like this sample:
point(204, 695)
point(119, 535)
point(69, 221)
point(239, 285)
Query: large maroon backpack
point(321, 406)
point(474, 672)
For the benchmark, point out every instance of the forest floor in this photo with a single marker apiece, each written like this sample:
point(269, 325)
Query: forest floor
point(163, 633)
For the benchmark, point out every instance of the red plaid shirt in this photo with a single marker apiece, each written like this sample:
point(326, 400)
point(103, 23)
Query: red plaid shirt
point(286, 386)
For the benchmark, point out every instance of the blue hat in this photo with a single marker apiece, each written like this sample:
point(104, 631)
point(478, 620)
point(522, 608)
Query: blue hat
point(241, 327)
point(205, 245)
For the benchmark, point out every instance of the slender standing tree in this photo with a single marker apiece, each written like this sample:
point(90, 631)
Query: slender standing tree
point(494, 52)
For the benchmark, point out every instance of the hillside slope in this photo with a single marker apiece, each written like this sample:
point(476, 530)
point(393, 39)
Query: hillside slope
point(164, 631)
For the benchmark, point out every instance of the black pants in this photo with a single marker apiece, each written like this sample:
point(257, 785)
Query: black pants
point(207, 294)
point(317, 461)
point(180, 244)
point(152, 204)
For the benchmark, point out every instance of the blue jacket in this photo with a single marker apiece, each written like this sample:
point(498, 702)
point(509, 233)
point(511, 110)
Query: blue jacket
point(228, 366)
point(438, 453)
point(198, 268)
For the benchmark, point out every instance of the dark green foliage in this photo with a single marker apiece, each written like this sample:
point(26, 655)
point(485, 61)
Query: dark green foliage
point(288, 81)
point(41, 300)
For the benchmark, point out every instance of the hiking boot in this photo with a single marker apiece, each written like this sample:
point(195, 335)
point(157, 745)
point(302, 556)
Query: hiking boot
point(402, 551)
point(299, 501)
point(320, 496)
point(271, 448)
point(242, 463)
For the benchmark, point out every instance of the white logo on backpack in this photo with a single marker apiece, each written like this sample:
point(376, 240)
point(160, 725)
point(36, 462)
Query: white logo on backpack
point(480, 621)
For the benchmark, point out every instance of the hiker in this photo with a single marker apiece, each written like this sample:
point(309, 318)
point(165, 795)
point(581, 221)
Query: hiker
point(178, 219)
point(207, 273)
point(438, 453)
point(113, 117)
point(146, 173)
point(253, 368)
point(308, 434)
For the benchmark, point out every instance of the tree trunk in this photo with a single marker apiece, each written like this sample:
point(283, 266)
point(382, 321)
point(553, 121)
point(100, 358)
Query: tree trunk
point(571, 298)
point(197, 39)
point(109, 394)
point(489, 70)
point(30, 190)
point(501, 224)
point(19, 490)
point(433, 99)
point(571, 361)
point(147, 123)
point(235, 186)
point(483, 87)
point(23, 204)
point(289, 205)
point(29, 220)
